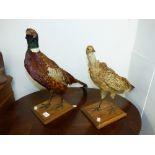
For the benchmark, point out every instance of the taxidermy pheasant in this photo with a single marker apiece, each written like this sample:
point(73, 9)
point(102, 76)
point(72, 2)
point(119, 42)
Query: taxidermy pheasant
point(44, 70)
point(108, 81)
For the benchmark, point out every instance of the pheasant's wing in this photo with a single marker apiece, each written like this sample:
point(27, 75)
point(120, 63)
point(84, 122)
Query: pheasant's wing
point(114, 81)
point(60, 75)
point(56, 72)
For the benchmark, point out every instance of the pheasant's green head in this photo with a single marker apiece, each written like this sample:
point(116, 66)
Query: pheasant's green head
point(32, 38)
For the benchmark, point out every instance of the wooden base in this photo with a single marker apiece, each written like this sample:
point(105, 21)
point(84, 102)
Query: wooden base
point(49, 112)
point(108, 113)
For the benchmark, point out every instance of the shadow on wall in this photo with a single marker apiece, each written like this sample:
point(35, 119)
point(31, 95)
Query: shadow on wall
point(147, 128)
point(142, 74)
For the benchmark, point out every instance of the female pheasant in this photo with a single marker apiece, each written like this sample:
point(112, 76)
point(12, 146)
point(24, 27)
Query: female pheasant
point(44, 70)
point(108, 81)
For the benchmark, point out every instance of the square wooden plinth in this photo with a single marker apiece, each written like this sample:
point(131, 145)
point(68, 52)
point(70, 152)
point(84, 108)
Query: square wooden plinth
point(108, 113)
point(48, 113)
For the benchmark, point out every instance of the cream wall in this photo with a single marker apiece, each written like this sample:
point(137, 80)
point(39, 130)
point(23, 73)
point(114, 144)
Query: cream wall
point(65, 42)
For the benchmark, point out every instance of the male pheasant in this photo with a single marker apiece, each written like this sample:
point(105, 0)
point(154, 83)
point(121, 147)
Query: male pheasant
point(44, 70)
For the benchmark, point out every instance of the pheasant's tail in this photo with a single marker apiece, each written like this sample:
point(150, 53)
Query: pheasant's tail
point(131, 88)
point(82, 83)
point(84, 88)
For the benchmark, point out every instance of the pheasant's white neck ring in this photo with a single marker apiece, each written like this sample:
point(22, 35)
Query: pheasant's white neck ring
point(35, 50)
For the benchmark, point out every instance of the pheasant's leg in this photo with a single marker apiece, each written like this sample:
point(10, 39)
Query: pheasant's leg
point(103, 95)
point(60, 105)
point(112, 95)
point(61, 102)
point(98, 108)
point(47, 104)
point(51, 96)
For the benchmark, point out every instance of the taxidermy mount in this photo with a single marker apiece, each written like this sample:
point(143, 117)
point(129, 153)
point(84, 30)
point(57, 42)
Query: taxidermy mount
point(109, 83)
point(47, 73)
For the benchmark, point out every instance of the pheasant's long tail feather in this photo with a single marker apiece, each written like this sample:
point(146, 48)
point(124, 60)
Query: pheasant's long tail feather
point(131, 87)
point(80, 82)
point(84, 88)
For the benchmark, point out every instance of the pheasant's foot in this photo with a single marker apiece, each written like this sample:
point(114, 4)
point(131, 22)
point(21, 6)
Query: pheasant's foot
point(45, 106)
point(60, 105)
point(57, 106)
point(98, 108)
point(111, 109)
point(48, 104)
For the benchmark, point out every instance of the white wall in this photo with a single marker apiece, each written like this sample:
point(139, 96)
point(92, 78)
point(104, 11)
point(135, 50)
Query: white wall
point(65, 42)
point(142, 74)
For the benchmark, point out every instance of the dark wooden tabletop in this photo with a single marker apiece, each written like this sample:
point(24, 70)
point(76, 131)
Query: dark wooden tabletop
point(20, 120)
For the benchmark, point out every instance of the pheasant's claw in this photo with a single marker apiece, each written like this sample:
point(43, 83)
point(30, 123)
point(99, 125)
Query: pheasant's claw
point(111, 110)
point(59, 106)
point(96, 109)
point(44, 106)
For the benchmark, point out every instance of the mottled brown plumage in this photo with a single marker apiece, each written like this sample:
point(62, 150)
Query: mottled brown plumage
point(105, 78)
point(44, 70)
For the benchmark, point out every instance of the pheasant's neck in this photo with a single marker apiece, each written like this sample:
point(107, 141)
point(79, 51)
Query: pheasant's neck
point(35, 50)
point(33, 44)
point(91, 58)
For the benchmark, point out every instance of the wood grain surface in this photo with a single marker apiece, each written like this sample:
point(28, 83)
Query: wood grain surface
point(20, 120)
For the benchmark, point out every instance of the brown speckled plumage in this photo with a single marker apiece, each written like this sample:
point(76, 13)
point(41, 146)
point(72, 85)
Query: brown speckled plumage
point(105, 78)
point(45, 71)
